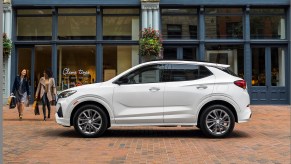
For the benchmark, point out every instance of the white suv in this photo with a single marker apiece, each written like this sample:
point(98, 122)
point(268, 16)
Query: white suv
point(159, 93)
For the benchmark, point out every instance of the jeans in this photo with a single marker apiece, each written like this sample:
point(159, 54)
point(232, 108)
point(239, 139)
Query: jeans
point(45, 102)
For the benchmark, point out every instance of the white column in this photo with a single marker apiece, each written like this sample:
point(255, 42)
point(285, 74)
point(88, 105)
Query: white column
point(144, 18)
point(156, 21)
point(150, 18)
point(281, 29)
point(8, 23)
point(281, 63)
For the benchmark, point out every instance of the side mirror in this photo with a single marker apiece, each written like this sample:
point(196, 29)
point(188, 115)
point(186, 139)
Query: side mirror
point(122, 80)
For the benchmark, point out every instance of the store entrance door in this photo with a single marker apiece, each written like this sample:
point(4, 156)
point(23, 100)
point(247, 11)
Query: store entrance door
point(269, 76)
point(35, 59)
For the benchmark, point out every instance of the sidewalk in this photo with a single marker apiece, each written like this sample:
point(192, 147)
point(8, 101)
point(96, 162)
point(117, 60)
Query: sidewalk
point(265, 139)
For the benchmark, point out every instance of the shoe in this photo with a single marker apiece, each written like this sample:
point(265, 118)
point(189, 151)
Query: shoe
point(48, 116)
point(20, 117)
point(44, 119)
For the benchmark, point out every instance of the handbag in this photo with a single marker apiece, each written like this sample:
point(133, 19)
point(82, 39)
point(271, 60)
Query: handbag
point(12, 104)
point(35, 108)
point(54, 101)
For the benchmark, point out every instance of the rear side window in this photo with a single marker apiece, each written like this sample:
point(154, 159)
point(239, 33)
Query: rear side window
point(185, 72)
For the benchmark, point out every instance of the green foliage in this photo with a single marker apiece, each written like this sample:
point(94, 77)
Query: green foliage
point(7, 45)
point(150, 42)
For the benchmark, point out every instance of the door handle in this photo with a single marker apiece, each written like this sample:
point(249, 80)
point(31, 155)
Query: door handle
point(154, 89)
point(201, 87)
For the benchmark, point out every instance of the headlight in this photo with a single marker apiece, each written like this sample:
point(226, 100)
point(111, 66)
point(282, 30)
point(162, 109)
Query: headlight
point(66, 94)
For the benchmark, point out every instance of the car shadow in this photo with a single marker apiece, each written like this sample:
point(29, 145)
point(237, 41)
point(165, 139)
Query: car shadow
point(146, 133)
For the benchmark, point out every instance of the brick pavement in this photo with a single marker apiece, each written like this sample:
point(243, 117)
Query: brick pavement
point(265, 139)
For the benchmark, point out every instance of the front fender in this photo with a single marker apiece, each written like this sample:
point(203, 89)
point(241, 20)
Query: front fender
point(92, 98)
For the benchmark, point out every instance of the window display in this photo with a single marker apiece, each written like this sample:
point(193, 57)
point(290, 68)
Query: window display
point(76, 66)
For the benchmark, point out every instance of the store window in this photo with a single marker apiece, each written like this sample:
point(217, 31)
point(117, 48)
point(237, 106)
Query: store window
point(76, 66)
point(227, 54)
point(121, 24)
point(179, 23)
point(224, 23)
point(77, 24)
point(258, 67)
point(117, 59)
point(34, 24)
point(268, 23)
point(43, 61)
point(278, 67)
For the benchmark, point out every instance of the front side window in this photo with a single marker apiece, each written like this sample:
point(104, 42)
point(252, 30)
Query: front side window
point(187, 72)
point(147, 74)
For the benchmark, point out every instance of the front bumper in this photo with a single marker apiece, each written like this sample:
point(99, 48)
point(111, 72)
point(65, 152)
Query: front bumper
point(62, 121)
point(59, 116)
point(244, 115)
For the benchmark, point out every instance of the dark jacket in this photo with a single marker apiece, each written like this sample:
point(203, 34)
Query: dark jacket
point(16, 85)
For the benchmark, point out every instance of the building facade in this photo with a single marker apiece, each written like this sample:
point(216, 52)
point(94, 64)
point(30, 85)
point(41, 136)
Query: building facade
point(7, 26)
point(83, 42)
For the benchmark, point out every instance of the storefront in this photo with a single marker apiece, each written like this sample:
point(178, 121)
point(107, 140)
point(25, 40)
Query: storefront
point(93, 41)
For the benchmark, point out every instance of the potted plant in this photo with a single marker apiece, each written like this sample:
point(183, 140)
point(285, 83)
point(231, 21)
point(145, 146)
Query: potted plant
point(150, 44)
point(7, 45)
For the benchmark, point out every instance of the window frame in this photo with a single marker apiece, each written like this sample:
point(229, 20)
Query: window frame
point(217, 37)
point(58, 15)
point(34, 16)
point(120, 81)
point(191, 37)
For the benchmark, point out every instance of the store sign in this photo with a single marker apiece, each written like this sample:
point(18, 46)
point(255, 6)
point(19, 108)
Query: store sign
point(67, 71)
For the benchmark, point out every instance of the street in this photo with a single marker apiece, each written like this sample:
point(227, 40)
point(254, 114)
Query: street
point(265, 139)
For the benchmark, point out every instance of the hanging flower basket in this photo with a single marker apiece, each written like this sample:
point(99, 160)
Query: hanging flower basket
point(150, 44)
point(7, 45)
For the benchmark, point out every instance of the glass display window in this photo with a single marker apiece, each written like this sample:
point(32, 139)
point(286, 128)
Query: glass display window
point(76, 66)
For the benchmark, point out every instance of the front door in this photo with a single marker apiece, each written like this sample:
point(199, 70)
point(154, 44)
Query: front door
point(269, 76)
point(140, 99)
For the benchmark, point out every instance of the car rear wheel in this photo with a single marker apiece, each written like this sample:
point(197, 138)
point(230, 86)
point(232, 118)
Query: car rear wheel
point(217, 121)
point(90, 121)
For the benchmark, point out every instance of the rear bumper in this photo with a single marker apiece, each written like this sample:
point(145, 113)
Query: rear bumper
point(245, 115)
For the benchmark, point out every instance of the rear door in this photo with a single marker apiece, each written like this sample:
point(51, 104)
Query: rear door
point(186, 87)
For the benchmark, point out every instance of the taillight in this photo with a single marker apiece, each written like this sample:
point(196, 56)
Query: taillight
point(241, 83)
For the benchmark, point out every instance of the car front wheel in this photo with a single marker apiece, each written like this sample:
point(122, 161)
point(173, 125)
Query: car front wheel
point(90, 121)
point(217, 121)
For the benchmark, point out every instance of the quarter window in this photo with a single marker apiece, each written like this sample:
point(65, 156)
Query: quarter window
point(187, 72)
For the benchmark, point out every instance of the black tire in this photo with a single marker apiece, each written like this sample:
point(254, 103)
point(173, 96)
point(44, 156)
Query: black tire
point(218, 127)
point(83, 125)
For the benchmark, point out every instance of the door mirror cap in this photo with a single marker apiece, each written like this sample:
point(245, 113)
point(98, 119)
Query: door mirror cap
point(122, 80)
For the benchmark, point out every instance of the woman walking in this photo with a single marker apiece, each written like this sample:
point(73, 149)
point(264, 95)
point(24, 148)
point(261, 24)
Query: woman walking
point(21, 91)
point(46, 90)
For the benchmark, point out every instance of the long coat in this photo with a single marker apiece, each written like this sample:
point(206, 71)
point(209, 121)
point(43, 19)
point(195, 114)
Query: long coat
point(51, 93)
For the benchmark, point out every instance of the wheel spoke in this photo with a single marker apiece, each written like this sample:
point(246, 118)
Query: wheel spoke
point(210, 121)
point(97, 119)
point(84, 113)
